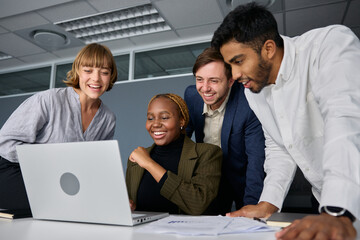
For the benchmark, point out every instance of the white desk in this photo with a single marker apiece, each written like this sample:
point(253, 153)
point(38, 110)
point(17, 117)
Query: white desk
point(30, 229)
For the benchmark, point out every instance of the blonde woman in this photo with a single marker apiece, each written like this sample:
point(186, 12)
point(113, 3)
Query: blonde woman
point(70, 114)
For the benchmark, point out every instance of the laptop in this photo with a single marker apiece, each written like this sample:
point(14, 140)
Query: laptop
point(78, 182)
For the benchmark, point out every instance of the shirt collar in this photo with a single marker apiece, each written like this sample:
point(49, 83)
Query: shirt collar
point(288, 61)
point(208, 111)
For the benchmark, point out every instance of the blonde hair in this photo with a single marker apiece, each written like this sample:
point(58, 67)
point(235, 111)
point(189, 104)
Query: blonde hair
point(92, 55)
point(182, 107)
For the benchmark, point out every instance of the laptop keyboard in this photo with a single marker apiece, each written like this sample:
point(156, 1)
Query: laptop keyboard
point(134, 215)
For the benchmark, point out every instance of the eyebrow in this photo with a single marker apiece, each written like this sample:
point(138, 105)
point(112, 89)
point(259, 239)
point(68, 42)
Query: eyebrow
point(208, 78)
point(162, 112)
point(235, 57)
point(214, 78)
point(103, 67)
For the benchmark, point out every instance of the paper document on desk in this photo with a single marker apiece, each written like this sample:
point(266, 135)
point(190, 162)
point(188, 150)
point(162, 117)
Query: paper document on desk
point(204, 225)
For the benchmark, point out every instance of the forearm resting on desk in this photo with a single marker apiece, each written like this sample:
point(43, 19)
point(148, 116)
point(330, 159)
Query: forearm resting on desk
point(321, 226)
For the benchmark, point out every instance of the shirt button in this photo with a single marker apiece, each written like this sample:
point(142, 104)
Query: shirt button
point(290, 146)
point(307, 169)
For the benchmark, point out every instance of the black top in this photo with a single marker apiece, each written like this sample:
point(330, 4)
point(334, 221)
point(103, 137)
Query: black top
point(148, 196)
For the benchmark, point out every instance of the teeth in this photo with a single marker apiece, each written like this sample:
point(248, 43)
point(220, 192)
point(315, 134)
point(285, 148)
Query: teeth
point(245, 82)
point(207, 95)
point(158, 133)
point(94, 86)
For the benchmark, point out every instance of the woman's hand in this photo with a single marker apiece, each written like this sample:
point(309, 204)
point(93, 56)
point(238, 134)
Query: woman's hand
point(132, 205)
point(142, 157)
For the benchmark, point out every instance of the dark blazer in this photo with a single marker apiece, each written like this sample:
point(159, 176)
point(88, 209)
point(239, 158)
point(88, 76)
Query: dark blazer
point(195, 185)
point(242, 143)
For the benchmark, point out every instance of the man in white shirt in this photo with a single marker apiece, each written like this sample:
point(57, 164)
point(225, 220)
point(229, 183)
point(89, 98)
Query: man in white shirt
point(306, 93)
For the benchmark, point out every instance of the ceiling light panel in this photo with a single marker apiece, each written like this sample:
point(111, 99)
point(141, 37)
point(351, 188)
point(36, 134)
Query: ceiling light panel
point(117, 24)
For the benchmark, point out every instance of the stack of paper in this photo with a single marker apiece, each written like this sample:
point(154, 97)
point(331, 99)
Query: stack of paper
point(205, 225)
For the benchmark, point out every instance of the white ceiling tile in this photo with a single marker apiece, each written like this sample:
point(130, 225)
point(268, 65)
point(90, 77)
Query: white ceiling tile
point(13, 7)
point(68, 53)
point(109, 5)
point(12, 46)
point(3, 30)
point(154, 38)
point(206, 30)
point(300, 21)
point(67, 11)
point(198, 12)
point(352, 18)
point(37, 58)
point(9, 63)
point(22, 21)
point(120, 45)
point(295, 4)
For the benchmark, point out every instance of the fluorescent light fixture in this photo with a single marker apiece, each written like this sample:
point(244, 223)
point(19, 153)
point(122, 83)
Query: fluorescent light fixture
point(4, 56)
point(116, 24)
point(234, 3)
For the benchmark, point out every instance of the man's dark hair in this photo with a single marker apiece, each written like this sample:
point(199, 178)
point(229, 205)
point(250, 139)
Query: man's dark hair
point(211, 55)
point(250, 24)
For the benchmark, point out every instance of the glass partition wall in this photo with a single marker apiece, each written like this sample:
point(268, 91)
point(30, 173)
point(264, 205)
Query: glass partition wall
point(147, 64)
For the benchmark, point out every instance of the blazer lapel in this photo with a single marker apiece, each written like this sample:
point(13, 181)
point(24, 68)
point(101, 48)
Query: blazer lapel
point(187, 160)
point(200, 119)
point(135, 181)
point(231, 107)
point(137, 176)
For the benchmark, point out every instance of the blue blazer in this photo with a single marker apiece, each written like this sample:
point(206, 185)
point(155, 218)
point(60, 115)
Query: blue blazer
point(242, 143)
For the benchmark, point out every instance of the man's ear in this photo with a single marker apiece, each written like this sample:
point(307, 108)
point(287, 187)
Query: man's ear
point(269, 49)
point(231, 82)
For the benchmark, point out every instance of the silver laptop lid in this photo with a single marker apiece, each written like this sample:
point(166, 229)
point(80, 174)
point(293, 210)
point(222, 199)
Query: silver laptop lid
point(82, 182)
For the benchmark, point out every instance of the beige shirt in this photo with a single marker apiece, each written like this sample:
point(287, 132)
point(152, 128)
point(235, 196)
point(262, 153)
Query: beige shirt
point(213, 122)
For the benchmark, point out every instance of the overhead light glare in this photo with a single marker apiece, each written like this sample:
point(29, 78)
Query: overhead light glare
point(4, 56)
point(116, 24)
point(234, 3)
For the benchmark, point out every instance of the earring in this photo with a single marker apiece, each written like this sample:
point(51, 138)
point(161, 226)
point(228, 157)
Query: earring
point(181, 127)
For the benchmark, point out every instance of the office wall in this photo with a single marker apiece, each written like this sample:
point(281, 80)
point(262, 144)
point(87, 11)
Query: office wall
point(128, 100)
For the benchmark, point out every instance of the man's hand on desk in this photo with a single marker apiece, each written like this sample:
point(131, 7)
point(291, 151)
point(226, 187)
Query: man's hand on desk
point(260, 210)
point(321, 226)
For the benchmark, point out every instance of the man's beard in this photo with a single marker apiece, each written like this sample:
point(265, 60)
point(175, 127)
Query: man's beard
point(262, 76)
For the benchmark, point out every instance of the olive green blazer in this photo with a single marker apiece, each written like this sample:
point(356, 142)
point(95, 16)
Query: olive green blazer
point(197, 181)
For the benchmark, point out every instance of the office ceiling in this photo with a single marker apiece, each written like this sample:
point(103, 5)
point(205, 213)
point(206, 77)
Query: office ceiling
point(189, 20)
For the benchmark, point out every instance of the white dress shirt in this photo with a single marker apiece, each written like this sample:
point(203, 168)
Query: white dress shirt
point(213, 122)
point(311, 118)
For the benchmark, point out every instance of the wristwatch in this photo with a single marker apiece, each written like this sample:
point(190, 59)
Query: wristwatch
point(338, 212)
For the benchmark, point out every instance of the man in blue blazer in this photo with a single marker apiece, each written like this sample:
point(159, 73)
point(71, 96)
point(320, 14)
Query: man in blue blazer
point(220, 114)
